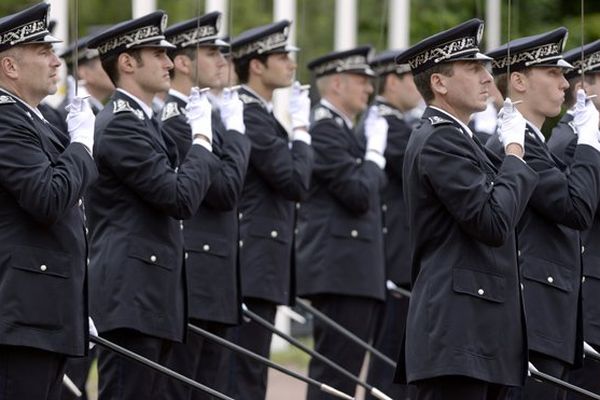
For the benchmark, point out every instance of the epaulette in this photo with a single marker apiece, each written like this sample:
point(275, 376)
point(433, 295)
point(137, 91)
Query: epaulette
point(246, 99)
point(384, 110)
point(322, 113)
point(5, 99)
point(123, 106)
point(170, 110)
point(435, 120)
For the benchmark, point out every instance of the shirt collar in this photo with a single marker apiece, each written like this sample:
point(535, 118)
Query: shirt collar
point(268, 104)
point(462, 125)
point(179, 95)
point(536, 131)
point(347, 120)
point(34, 109)
point(146, 108)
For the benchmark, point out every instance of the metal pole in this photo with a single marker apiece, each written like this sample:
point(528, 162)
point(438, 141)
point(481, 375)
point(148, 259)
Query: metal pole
point(399, 24)
point(307, 307)
point(345, 24)
point(265, 324)
point(560, 383)
point(493, 16)
point(139, 8)
point(155, 366)
point(238, 349)
point(222, 6)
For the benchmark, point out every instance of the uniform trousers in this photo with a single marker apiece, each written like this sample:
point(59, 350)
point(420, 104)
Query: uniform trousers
point(28, 373)
point(460, 388)
point(357, 314)
point(534, 389)
point(78, 369)
point(387, 338)
point(587, 377)
point(247, 379)
point(198, 358)
point(122, 379)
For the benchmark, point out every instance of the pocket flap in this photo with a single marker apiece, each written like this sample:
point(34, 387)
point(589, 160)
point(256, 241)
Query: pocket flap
point(205, 243)
point(352, 230)
point(41, 261)
point(480, 284)
point(152, 253)
point(547, 273)
point(270, 229)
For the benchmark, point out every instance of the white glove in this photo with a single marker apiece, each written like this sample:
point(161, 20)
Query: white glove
point(232, 111)
point(299, 107)
point(376, 130)
point(93, 331)
point(511, 125)
point(80, 122)
point(586, 120)
point(198, 112)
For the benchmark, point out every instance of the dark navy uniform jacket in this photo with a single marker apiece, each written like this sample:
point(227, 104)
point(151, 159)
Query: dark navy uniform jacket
point(465, 315)
point(395, 219)
point(563, 203)
point(211, 235)
point(278, 176)
point(43, 249)
point(339, 247)
point(137, 268)
point(563, 143)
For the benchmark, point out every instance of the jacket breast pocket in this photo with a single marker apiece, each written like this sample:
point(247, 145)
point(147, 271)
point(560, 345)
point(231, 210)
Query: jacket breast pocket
point(270, 229)
point(210, 245)
point(352, 230)
point(548, 273)
point(152, 253)
point(479, 284)
point(38, 289)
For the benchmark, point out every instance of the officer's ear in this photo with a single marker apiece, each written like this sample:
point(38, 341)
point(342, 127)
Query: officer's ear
point(256, 66)
point(182, 63)
point(518, 82)
point(127, 63)
point(437, 82)
point(9, 64)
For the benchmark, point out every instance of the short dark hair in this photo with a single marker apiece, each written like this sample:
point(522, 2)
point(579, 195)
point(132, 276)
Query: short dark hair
point(382, 79)
point(423, 79)
point(242, 67)
point(190, 52)
point(109, 64)
point(571, 94)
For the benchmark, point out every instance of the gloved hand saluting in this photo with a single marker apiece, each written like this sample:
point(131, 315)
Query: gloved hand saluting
point(299, 106)
point(80, 122)
point(232, 111)
point(198, 112)
point(376, 131)
point(586, 120)
point(511, 129)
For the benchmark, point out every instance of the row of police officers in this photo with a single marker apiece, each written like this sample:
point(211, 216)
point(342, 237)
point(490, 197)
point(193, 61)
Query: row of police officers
point(183, 213)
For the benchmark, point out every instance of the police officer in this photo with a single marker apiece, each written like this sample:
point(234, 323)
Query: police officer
point(563, 203)
point(397, 96)
point(563, 144)
point(339, 248)
point(210, 236)
point(43, 291)
point(93, 80)
point(95, 85)
point(137, 281)
point(278, 175)
point(462, 212)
